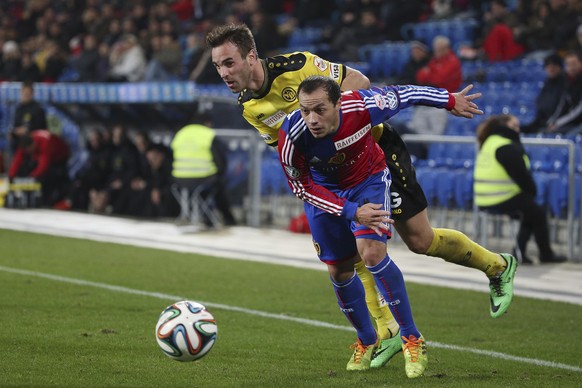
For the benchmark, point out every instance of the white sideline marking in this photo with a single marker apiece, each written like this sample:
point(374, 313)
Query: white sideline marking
point(264, 314)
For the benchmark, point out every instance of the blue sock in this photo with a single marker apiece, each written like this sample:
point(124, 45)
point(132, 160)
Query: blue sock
point(352, 301)
point(391, 284)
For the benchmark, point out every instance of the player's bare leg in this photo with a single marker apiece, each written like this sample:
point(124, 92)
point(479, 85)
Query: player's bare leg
point(455, 247)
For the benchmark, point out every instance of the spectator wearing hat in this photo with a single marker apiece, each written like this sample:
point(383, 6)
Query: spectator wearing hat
point(419, 57)
point(551, 98)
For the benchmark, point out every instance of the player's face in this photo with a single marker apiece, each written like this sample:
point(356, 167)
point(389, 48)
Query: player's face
point(234, 70)
point(319, 113)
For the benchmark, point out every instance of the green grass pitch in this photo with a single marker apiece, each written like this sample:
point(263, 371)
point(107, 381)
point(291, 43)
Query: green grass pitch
point(77, 313)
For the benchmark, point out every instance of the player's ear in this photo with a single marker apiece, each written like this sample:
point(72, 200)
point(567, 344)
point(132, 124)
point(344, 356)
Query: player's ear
point(252, 55)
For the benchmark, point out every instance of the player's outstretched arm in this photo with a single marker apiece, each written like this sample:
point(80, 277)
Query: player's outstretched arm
point(464, 105)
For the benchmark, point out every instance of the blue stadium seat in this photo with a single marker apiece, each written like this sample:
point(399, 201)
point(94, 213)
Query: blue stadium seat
point(445, 187)
point(426, 179)
point(558, 195)
point(463, 190)
point(304, 36)
point(542, 180)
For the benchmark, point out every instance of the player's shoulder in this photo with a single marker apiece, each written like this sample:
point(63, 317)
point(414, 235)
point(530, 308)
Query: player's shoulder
point(291, 121)
point(244, 96)
point(286, 62)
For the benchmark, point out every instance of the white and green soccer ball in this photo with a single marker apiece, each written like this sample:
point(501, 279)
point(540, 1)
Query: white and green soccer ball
point(186, 331)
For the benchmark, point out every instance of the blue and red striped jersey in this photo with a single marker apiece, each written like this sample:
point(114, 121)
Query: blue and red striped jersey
point(317, 169)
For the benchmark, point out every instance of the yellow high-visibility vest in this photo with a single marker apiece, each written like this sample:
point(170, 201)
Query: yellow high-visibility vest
point(192, 152)
point(492, 185)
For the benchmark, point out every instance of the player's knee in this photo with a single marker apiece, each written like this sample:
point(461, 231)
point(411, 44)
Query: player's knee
point(373, 256)
point(418, 243)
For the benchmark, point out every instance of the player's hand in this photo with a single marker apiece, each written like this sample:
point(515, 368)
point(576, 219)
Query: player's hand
point(464, 105)
point(373, 216)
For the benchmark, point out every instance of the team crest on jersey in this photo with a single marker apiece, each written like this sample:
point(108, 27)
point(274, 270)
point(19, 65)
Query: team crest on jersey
point(266, 137)
point(292, 172)
point(288, 94)
point(337, 158)
point(320, 63)
point(392, 100)
point(380, 101)
point(317, 247)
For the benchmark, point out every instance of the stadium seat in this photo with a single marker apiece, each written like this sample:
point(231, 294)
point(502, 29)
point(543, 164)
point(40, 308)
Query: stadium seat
point(426, 179)
point(558, 195)
point(445, 188)
point(463, 194)
point(542, 180)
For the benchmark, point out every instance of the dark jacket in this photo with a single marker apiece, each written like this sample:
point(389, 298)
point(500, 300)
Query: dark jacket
point(31, 115)
point(510, 156)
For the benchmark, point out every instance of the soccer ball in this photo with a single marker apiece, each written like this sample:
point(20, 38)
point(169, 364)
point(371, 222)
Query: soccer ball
point(186, 331)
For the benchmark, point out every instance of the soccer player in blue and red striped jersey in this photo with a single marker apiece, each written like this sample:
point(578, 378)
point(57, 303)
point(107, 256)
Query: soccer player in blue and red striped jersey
point(334, 165)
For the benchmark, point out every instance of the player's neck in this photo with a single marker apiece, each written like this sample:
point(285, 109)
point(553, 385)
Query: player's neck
point(257, 76)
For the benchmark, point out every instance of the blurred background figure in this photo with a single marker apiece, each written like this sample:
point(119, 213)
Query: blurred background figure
point(569, 120)
point(43, 156)
point(199, 160)
point(504, 183)
point(127, 60)
point(442, 71)
point(551, 98)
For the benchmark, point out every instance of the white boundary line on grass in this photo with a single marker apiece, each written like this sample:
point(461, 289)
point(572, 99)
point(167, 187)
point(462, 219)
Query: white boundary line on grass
point(264, 314)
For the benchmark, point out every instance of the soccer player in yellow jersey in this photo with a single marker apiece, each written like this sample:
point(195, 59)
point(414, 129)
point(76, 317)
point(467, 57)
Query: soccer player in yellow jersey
point(268, 91)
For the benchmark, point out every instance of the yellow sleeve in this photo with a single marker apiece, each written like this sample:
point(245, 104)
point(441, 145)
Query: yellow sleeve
point(318, 66)
point(377, 132)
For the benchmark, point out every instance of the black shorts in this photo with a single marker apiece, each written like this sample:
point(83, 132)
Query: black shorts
point(407, 196)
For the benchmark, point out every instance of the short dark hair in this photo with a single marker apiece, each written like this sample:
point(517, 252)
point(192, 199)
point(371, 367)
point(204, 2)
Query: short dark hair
point(553, 59)
point(311, 84)
point(238, 34)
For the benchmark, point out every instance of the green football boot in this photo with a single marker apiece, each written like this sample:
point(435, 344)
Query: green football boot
point(362, 356)
point(501, 287)
point(415, 356)
point(387, 349)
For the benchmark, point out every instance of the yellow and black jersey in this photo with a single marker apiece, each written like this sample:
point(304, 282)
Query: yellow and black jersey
point(266, 109)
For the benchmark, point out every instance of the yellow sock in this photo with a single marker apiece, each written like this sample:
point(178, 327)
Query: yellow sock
point(385, 322)
point(454, 247)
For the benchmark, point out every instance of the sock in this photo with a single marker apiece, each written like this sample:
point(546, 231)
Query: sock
point(352, 302)
point(454, 247)
point(385, 323)
point(391, 284)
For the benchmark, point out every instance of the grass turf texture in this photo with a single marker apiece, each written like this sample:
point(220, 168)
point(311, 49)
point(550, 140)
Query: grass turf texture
point(61, 334)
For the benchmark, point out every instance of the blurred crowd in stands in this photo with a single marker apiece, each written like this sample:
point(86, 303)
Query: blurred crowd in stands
point(149, 40)
point(154, 40)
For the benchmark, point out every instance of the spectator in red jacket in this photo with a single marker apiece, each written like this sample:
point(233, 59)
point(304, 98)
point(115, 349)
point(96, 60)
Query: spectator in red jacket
point(499, 43)
point(43, 156)
point(442, 71)
point(444, 68)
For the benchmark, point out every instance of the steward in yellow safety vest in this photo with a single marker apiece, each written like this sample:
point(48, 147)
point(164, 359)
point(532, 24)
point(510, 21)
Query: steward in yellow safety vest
point(504, 183)
point(492, 183)
point(193, 156)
